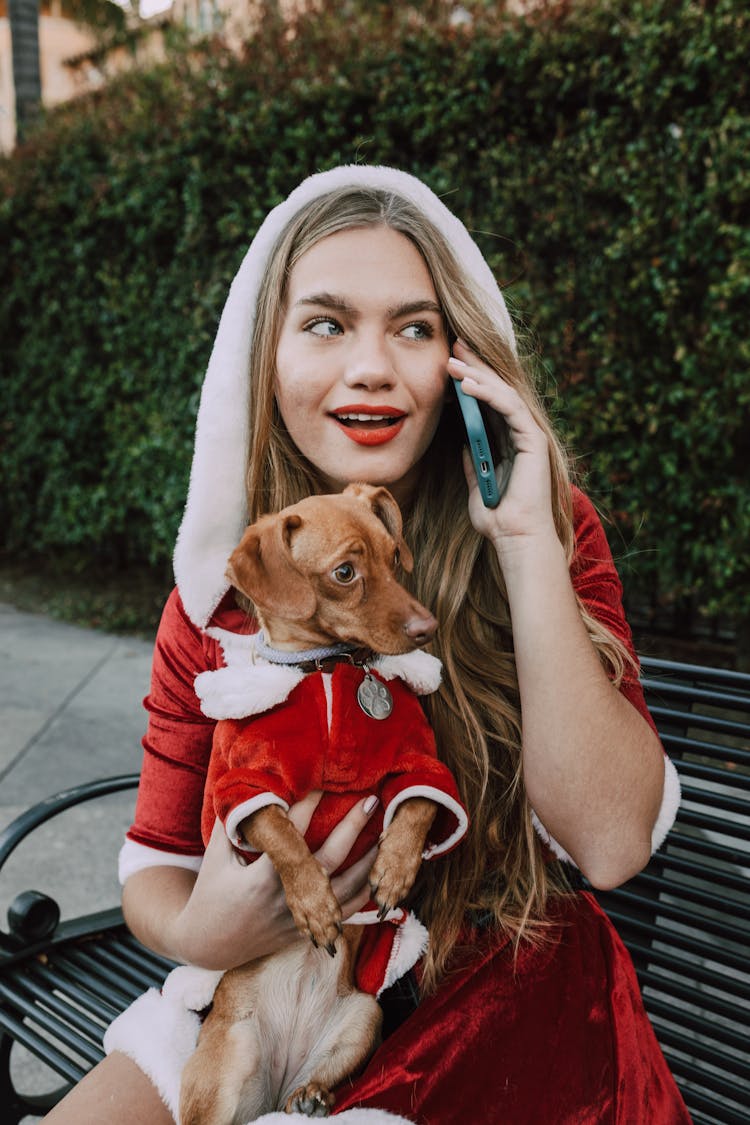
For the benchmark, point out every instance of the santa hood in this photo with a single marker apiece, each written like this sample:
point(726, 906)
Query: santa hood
point(216, 510)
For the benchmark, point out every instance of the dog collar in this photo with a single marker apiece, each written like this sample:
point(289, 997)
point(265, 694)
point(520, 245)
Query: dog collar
point(373, 697)
point(312, 659)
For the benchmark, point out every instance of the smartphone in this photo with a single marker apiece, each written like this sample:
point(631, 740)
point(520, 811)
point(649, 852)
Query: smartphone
point(486, 456)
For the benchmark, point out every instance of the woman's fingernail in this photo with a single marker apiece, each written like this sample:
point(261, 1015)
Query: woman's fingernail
point(460, 362)
point(370, 805)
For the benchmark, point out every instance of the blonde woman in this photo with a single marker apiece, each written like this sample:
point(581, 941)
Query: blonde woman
point(359, 296)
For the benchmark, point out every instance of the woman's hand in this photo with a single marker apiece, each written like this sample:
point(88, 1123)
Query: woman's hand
point(526, 509)
point(233, 912)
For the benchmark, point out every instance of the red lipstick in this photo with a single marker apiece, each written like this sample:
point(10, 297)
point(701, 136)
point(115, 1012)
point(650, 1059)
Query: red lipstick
point(367, 424)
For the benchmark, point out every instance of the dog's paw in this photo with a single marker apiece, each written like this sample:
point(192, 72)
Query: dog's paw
point(391, 878)
point(315, 909)
point(313, 1100)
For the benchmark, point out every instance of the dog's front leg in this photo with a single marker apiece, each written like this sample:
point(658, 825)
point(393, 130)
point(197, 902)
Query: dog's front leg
point(400, 852)
point(313, 905)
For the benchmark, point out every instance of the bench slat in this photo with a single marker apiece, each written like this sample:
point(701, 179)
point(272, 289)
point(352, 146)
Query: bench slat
point(40, 1047)
point(713, 1077)
point(89, 999)
point(87, 1023)
point(700, 845)
point(688, 943)
point(719, 1032)
point(677, 913)
point(679, 745)
point(41, 1017)
point(717, 1108)
point(696, 896)
point(713, 875)
point(647, 955)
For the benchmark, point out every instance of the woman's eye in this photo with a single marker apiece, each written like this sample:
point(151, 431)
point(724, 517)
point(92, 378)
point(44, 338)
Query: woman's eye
point(396, 557)
point(345, 573)
point(418, 331)
point(323, 327)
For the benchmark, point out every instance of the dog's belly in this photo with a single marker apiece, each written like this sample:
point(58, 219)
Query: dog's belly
point(300, 1004)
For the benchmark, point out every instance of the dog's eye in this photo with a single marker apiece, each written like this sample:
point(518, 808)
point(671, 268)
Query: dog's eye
point(345, 573)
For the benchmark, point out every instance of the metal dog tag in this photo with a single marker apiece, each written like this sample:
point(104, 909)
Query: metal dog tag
point(374, 698)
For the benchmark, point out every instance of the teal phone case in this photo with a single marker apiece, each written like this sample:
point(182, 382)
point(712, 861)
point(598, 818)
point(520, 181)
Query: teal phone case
point(479, 447)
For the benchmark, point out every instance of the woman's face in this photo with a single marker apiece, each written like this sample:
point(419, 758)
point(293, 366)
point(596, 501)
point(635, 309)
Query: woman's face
point(361, 360)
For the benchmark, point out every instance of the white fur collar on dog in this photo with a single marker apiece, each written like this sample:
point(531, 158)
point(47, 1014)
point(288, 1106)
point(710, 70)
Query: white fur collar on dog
point(216, 512)
point(249, 685)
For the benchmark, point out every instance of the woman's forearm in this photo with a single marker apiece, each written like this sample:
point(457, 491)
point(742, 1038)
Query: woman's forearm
point(593, 767)
point(152, 901)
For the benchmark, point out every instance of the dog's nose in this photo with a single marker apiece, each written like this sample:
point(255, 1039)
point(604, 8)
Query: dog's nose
point(421, 629)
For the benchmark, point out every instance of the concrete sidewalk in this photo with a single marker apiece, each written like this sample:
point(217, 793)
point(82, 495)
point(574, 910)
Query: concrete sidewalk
point(70, 711)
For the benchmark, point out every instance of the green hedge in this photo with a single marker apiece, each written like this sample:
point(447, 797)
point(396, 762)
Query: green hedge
point(603, 153)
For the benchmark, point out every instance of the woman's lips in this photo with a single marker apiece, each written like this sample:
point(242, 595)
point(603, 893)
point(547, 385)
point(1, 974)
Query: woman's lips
point(369, 425)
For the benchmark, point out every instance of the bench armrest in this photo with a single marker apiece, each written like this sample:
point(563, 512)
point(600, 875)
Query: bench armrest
point(34, 917)
point(26, 822)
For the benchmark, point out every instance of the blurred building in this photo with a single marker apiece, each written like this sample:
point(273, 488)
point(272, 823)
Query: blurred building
point(74, 57)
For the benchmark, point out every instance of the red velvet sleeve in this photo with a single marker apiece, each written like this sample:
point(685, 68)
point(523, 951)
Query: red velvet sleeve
point(597, 584)
point(177, 744)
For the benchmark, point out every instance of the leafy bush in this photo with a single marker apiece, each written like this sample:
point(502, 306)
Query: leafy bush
point(599, 150)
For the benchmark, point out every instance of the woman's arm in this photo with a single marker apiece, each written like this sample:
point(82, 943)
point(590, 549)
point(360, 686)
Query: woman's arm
point(230, 913)
point(593, 767)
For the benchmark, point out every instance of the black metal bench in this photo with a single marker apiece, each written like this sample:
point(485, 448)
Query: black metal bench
point(62, 983)
point(686, 921)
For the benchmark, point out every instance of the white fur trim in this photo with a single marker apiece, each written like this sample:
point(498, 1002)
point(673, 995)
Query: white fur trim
point(556, 849)
point(370, 917)
point(159, 1031)
point(136, 857)
point(159, 1036)
point(670, 802)
point(236, 692)
point(421, 671)
point(191, 987)
point(216, 511)
point(409, 944)
point(440, 798)
point(247, 808)
point(348, 1117)
point(236, 648)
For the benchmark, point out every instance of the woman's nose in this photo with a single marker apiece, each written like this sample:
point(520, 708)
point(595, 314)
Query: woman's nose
point(369, 363)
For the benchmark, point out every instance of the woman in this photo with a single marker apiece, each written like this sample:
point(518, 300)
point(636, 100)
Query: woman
point(359, 296)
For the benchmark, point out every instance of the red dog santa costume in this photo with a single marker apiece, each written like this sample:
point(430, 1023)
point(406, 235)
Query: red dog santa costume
point(285, 732)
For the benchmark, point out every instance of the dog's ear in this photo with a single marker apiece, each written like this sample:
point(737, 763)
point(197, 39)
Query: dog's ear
point(386, 509)
point(261, 567)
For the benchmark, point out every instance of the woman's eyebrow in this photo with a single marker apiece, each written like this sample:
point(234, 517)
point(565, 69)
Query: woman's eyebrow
point(393, 312)
point(409, 308)
point(328, 301)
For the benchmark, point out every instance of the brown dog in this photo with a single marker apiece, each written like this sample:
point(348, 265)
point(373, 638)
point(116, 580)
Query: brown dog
point(285, 1029)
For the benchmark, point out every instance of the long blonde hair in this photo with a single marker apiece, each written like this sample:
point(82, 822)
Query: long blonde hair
point(499, 870)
